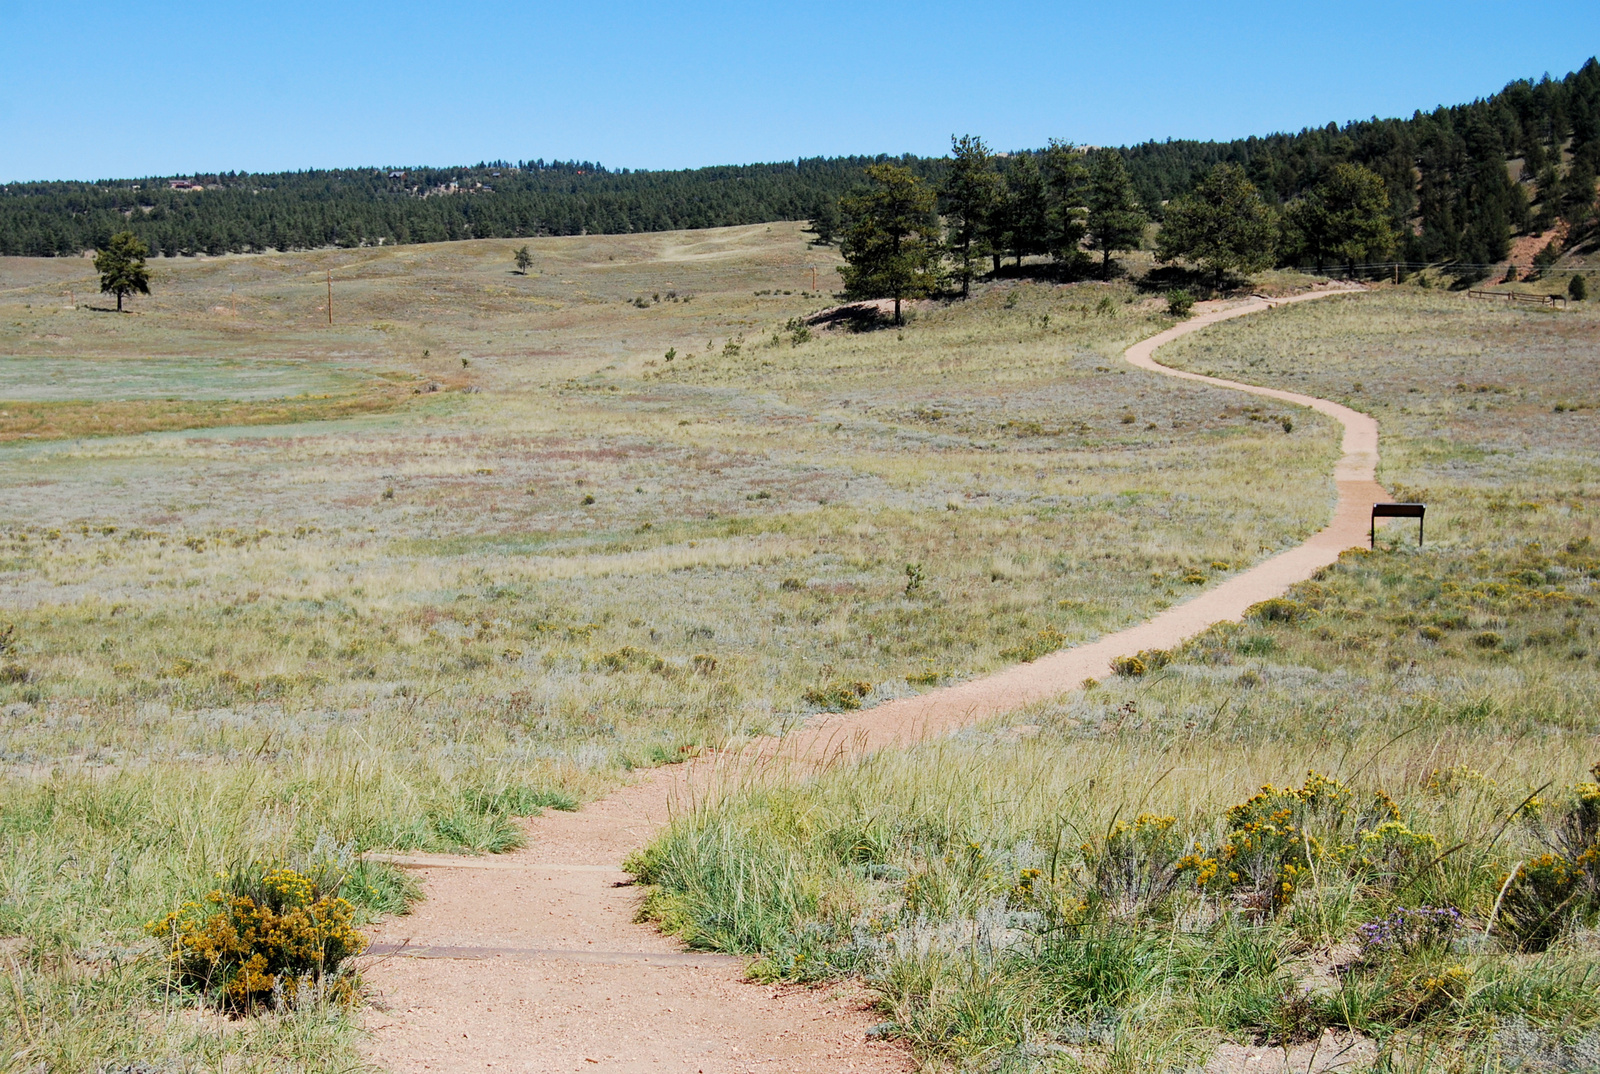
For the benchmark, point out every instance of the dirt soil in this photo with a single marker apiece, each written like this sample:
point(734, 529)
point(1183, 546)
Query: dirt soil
point(533, 962)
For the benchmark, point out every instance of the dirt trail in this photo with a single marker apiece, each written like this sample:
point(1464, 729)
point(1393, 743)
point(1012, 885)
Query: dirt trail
point(531, 961)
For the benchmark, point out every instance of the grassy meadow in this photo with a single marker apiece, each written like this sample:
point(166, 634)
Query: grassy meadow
point(1368, 816)
point(276, 591)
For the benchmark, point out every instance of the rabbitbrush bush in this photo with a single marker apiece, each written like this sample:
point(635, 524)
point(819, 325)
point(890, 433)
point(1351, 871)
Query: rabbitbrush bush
point(1563, 885)
point(263, 942)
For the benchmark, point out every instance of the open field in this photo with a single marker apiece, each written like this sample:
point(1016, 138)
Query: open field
point(524, 553)
point(1100, 883)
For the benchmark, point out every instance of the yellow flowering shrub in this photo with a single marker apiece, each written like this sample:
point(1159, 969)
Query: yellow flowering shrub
point(1276, 838)
point(1140, 663)
point(274, 940)
point(1548, 891)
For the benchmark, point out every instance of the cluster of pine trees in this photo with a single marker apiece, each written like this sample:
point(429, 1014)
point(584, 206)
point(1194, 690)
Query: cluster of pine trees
point(1451, 195)
point(903, 237)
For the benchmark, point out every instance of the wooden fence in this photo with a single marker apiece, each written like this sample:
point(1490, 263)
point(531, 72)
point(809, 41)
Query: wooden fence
point(1514, 297)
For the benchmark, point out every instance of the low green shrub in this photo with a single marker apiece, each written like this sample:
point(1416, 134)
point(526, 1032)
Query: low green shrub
point(1044, 642)
point(1279, 610)
point(839, 696)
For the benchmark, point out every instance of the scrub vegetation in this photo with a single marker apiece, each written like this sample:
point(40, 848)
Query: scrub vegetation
point(1363, 823)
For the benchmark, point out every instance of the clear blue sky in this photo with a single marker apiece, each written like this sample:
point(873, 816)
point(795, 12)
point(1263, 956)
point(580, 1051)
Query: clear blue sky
point(100, 90)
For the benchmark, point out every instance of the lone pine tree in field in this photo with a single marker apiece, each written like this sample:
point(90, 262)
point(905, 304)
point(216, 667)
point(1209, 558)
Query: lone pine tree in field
point(121, 267)
point(523, 259)
point(969, 197)
point(1223, 226)
point(1345, 216)
point(891, 240)
point(1116, 222)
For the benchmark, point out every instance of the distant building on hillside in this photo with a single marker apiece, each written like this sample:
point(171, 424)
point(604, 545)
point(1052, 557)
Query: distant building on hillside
point(181, 184)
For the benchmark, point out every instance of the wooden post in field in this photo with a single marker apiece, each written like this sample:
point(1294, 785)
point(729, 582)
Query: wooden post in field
point(330, 296)
point(813, 279)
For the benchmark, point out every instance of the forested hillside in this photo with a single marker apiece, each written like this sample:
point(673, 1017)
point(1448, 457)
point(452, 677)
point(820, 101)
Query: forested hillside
point(1446, 170)
point(239, 212)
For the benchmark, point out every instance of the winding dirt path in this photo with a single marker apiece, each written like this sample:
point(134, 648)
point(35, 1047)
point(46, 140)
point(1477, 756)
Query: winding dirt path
point(532, 962)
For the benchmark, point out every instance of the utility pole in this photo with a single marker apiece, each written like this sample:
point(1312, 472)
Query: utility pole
point(330, 296)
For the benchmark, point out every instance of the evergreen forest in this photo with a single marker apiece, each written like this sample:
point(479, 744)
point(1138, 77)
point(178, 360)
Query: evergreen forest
point(1461, 180)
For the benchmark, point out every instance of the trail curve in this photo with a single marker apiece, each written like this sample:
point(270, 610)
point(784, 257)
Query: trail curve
point(532, 962)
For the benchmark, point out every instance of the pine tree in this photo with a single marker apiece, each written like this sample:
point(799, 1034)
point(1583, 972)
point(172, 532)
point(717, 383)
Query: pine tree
point(1223, 226)
point(1024, 211)
point(1116, 222)
point(825, 220)
point(522, 258)
point(1485, 194)
point(1577, 196)
point(968, 199)
point(1065, 179)
point(121, 267)
point(891, 241)
point(1345, 216)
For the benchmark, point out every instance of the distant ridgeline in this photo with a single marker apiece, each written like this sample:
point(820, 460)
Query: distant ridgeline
point(240, 212)
point(1446, 170)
